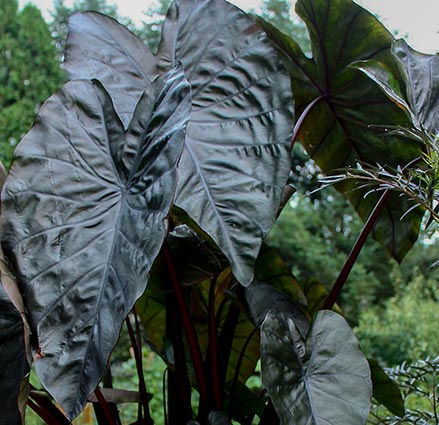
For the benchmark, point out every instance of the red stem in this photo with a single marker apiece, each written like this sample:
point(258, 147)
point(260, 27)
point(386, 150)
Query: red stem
point(353, 255)
point(302, 118)
point(288, 192)
point(104, 407)
point(139, 367)
point(194, 345)
point(42, 413)
point(46, 405)
point(144, 393)
point(238, 368)
point(213, 347)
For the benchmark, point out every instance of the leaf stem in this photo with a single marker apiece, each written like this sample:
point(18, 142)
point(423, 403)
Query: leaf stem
point(42, 413)
point(237, 369)
point(303, 117)
point(353, 255)
point(194, 345)
point(44, 402)
point(226, 337)
point(178, 386)
point(137, 349)
point(104, 406)
point(213, 347)
point(288, 191)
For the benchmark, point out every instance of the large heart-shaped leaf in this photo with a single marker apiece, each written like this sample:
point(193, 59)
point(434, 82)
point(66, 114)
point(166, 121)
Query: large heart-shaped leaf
point(321, 380)
point(99, 47)
point(14, 356)
point(235, 163)
point(236, 157)
point(84, 217)
point(343, 126)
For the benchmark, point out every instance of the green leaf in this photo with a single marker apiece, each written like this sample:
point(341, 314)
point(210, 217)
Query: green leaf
point(236, 158)
point(316, 295)
point(271, 269)
point(386, 391)
point(344, 126)
point(421, 76)
point(96, 191)
point(14, 361)
point(323, 379)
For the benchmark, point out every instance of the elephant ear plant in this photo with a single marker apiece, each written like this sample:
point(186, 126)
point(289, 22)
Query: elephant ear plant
point(144, 190)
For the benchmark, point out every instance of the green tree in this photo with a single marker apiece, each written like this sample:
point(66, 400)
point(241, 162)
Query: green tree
point(150, 30)
point(61, 13)
point(280, 14)
point(29, 71)
point(405, 328)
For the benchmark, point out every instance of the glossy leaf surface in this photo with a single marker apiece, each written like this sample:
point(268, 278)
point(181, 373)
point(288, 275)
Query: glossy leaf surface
point(235, 163)
point(321, 380)
point(382, 75)
point(342, 128)
point(262, 299)
point(85, 209)
point(421, 76)
point(99, 47)
point(236, 157)
point(419, 73)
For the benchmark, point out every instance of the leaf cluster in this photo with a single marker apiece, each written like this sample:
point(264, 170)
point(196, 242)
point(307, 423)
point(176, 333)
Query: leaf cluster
point(29, 71)
point(148, 184)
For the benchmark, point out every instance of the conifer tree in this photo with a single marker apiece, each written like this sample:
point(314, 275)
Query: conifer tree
point(29, 71)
